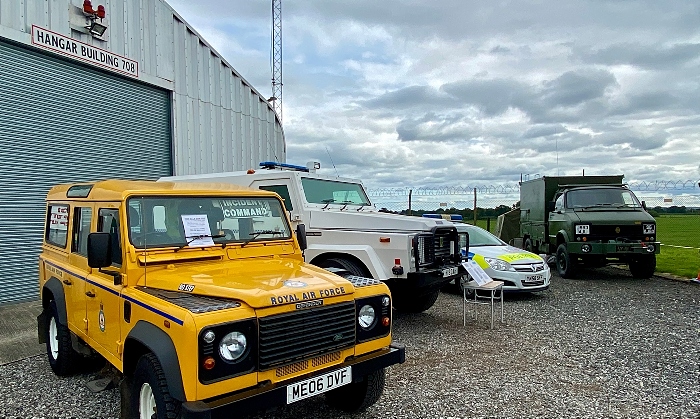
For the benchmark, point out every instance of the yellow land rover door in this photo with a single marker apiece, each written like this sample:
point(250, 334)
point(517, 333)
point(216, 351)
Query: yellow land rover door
point(103, 296)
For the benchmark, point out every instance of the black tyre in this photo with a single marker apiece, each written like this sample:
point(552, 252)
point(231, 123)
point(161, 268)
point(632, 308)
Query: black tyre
point(643, 266)
point(565, 264)
point(409, 303)
point(528, 245)
point(64, 360)
point(356, 397)
point(149, 394)
point(351, 266)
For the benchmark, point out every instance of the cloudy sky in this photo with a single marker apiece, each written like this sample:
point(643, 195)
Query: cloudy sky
point(411, 93)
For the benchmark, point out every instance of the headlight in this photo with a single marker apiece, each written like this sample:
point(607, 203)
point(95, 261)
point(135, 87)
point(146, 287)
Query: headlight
point(583, 229)
point(366, 317)
point(498, 264)
point(233, 346)
point(649, 228)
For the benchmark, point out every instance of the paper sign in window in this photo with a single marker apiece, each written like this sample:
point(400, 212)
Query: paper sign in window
point(197, 226)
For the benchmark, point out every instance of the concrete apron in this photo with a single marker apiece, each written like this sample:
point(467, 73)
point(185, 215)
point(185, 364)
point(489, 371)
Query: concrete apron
point(18, 334)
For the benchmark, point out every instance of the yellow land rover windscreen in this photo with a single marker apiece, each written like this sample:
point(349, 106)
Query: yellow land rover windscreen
point(196, 221)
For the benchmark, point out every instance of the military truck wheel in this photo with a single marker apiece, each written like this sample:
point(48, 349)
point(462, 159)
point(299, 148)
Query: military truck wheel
point(349, 265)
point(63, 359)
point(355, 397)
point(409, 303)
point(565, 265)
point(643, 266)
point(150, 397)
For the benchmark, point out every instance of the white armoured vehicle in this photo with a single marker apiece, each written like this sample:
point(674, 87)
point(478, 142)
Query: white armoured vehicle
point(415, 256)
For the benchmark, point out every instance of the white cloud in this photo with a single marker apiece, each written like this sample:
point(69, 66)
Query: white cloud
point(417, 92)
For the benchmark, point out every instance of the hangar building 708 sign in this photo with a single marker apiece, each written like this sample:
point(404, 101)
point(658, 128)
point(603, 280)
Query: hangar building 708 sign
point(70, 47)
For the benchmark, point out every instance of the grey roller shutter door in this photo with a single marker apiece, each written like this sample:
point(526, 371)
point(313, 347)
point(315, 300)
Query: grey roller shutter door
point(60, 122)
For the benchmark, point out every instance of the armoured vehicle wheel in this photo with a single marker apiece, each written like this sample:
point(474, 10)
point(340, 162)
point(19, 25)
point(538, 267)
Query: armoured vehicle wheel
point(358, 396)
point(150, 397)
point(408, 303)
point(350, 266)
point(565, 265)
point(643, 266)
point(62, 357)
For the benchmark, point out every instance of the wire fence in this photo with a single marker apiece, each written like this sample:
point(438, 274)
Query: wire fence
point(677, 198)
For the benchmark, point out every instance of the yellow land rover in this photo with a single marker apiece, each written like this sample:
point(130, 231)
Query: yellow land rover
point(198, 296)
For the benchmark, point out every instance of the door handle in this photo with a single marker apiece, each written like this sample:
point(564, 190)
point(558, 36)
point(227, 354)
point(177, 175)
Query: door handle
point(90, 294)
point(67, 282)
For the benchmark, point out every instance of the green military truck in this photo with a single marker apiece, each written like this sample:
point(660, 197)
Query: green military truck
point(589, 221)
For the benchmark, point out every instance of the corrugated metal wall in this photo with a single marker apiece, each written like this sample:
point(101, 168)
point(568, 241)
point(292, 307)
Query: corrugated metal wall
point(124, 133)
point(216, 120)
point(221, 123)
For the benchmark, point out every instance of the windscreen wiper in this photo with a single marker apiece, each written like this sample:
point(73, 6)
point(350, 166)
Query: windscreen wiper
point(327, 202)
point(201, 236)
point(258, 233)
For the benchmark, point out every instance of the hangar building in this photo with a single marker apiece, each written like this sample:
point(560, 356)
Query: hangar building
point(111, 89)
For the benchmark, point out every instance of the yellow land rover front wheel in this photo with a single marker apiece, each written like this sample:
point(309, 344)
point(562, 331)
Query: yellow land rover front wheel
point(149, 394)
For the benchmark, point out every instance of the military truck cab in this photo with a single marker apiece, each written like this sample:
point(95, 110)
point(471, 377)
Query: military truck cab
point(199, 298)
point(587, 220)
point(414, 256)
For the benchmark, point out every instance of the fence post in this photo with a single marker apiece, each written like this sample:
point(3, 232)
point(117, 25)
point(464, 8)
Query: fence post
point(488, 224)
point(474, 206)
point(410, 192)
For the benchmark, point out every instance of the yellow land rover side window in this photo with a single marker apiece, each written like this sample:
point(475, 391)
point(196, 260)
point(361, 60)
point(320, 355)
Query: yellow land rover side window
point(82, 216)
point(108, 222)
point(57, 225)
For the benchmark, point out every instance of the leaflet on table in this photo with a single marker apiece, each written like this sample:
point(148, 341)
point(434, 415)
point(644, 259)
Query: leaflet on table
point(477, 272)
point(197, 226)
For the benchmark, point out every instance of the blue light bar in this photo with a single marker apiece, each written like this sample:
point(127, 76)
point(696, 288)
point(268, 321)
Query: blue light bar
point(451, 217)
point(283, 166)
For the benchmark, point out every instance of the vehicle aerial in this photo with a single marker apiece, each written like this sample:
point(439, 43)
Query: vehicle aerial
point(199, 299)
point(414, 256)
point(586, 220)
point(519, 270)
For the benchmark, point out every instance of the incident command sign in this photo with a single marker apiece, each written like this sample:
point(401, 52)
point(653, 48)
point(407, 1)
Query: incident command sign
point(70, 47)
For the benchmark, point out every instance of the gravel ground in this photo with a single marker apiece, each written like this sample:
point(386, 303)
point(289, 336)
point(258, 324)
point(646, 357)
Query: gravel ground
point(605, 346)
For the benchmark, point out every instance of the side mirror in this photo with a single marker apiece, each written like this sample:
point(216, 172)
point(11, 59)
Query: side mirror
point(301, 236)
point(99, 250)
point(550, 206)
point(644, 205)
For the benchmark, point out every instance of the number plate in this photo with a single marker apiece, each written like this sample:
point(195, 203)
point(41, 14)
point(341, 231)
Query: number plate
point(450, 271)
point(623, 248)
point(319, 384)
point(534, 278)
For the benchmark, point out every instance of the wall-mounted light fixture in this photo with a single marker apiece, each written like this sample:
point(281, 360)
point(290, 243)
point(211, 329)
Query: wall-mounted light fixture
point(93, 26)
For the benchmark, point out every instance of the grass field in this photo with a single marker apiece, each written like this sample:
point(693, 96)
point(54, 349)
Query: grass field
point(682, 231)
point(673, 230)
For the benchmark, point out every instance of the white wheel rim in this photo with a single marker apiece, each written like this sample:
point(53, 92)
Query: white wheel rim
point(53, 338)
point(147, 403)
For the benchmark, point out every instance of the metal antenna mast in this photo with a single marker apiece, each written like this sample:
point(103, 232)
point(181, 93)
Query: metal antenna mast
point(277, 57)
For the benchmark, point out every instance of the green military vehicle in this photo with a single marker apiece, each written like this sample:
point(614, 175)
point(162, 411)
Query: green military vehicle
point(589, 221)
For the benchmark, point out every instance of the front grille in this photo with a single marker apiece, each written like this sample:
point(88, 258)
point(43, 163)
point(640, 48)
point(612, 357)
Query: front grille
point(608, 232)
point(442, 241)
point(292, 337)
point(529, 267)
point(533, 284)
point(436, 248)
